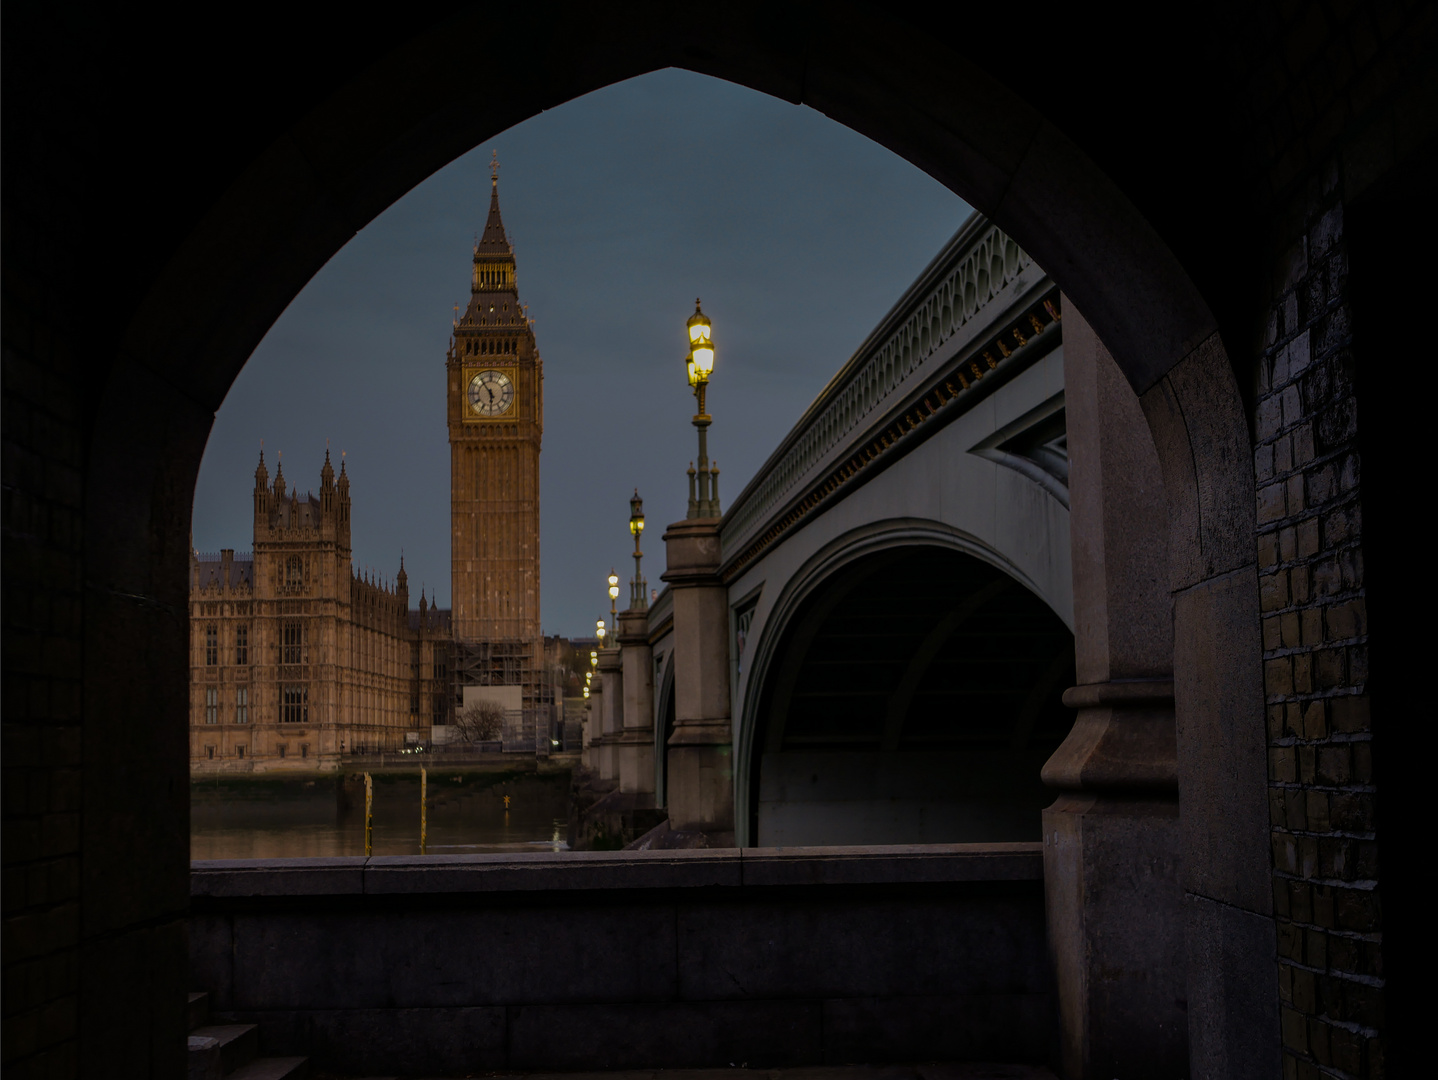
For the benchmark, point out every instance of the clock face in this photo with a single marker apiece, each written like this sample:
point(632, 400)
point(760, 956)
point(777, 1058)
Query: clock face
point(491, 393)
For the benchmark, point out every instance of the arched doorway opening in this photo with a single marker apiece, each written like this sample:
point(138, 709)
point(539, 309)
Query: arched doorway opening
point(331, 143)
point(913, 697)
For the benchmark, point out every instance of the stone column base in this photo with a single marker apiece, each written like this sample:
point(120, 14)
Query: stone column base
point(1112, 881)
point(636, 761)
point(1111, 869)
point(701, 781)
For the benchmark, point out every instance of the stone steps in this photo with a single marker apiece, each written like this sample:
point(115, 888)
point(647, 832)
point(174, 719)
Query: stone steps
point(231, 1051)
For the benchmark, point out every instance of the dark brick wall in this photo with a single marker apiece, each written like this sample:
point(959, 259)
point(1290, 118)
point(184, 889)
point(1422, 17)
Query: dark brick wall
point(1315, 637)
point(1342, 98)
point(41, 465)
point(40, 546)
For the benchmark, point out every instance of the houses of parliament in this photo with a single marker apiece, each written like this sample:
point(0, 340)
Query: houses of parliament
point(297, 660)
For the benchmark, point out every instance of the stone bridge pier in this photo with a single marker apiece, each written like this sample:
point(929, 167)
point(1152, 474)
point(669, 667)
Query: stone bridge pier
point(700, 787)
point(636, 736)
point(1111, 839)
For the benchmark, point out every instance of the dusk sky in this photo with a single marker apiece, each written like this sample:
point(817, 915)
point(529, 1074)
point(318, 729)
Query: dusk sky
point(623, 206)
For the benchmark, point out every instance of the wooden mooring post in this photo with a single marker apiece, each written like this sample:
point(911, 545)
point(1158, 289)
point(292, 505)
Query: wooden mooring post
point(368, 814)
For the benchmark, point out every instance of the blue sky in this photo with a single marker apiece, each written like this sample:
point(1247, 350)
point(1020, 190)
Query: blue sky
point(623, 206)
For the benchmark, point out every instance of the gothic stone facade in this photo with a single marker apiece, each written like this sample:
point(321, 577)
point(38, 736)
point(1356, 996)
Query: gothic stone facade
point(294, 659)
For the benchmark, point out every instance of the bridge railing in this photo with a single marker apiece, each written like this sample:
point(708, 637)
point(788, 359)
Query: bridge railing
point(970, 315)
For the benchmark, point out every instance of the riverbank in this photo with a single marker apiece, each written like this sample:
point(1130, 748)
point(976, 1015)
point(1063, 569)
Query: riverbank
point(505, 805)
point(398, 765)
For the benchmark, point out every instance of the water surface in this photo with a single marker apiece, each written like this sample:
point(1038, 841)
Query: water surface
point(265, 817)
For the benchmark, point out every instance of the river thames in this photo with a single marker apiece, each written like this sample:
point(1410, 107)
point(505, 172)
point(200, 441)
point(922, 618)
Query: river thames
point(469, 811)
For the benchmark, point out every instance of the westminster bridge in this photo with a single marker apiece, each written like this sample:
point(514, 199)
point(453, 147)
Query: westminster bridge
point(883, 640)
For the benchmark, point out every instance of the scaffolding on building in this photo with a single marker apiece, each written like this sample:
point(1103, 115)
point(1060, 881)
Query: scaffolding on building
point(529, 729)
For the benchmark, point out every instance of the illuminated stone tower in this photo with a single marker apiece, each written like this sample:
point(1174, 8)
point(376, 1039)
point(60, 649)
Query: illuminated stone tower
point(495, 403)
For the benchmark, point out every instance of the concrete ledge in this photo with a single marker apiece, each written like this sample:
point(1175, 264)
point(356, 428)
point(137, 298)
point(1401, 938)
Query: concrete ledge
point(398, 875)
point(547, 871)
point(894, 863)
point(236, 878)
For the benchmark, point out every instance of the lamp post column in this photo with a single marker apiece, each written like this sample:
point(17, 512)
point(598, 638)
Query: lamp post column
point(700, 787)
point(636, 740)
point(636, 762)
point(594, 721)
point(611, 676)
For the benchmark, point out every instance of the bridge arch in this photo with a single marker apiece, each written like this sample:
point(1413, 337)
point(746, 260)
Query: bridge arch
point(985, 584)
point(663, 725)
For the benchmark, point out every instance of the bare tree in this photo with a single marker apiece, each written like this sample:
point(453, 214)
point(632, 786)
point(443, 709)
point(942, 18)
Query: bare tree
point(480, 722)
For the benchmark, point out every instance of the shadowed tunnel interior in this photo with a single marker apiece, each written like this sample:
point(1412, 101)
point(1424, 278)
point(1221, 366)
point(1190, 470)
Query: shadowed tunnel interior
point(913, 698)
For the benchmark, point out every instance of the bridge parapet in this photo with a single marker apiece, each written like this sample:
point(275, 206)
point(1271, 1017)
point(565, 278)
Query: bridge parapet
point(972, 319)
point(454, 965)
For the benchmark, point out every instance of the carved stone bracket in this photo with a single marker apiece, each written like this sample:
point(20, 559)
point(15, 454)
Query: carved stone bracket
point(1123, 740)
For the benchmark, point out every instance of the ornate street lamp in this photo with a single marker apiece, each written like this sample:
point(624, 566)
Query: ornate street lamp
point(638, 600)
point(599, 631)
point(699, 364)
point(613, 598)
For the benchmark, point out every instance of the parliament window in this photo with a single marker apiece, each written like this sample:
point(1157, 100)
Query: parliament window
point(212, 705)
point(294, 574)
point(292, 643)
point(240, 750)
point(242, 705)
point(242, 645)
point(295, 705)
point(212, 645)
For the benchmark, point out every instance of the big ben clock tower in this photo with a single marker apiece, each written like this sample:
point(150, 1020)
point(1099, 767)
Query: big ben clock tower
point(495, 402)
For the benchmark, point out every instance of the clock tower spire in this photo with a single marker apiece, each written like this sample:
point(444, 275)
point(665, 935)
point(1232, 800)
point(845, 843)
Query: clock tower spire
point(495, 409)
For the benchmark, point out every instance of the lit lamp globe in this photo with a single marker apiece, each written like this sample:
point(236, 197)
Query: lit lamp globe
point(613, 585)
point(700, 361)
point(599, 631)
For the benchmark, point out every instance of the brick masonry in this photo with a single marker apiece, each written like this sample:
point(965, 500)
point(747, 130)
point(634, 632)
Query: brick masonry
point(40, 544)
point(1315, 640)
point(1323, 77)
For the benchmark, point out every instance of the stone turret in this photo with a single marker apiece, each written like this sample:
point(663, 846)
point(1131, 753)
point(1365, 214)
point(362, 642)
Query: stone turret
point(262, 492)
point(327, 487)
point(343, 490)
